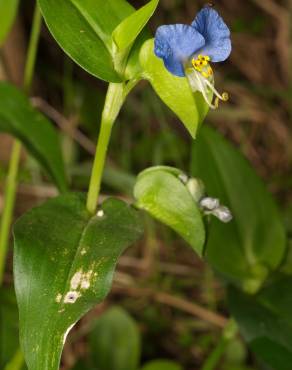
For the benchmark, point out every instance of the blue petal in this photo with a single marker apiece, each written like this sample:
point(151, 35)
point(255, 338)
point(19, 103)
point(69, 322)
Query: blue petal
point(217, 35)
point(175, 44)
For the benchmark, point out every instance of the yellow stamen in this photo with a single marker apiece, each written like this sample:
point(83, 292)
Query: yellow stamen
point(225, 96)
point(205, 84)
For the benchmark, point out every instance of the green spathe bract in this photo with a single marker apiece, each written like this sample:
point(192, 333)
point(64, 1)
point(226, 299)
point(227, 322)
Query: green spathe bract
point(174, 91)
point(163, 195)
point(64, 262)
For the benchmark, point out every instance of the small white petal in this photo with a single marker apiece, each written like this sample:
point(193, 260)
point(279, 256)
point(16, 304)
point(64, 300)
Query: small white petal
point(196, 188)
point(183, 178)
point(223, 214)
point(209, 203)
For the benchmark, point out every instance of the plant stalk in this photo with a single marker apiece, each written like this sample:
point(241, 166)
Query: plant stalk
point(11, 180)
point(229, 332)
point(113, 103)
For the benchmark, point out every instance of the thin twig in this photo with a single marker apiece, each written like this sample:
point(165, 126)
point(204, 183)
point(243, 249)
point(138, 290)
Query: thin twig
point(281, 15)
point(173, 301)
point(172, 268)
point(64, 124)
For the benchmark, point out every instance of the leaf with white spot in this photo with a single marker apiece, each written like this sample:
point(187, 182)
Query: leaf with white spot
point(64, 261)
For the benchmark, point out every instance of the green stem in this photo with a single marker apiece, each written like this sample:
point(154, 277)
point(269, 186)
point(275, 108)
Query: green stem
point(113, 103)
point(11, 181)
point(229, 333)
point(16, 363)
point(32, 49)
point(10, 191)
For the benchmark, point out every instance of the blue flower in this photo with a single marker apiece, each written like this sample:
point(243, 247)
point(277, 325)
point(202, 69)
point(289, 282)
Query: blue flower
point(188, 50)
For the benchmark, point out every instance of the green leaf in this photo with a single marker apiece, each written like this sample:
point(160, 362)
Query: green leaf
point(83, 29)
point(115, 341)
point(81, 365)
point(133, 67)
point(265, 321)
point(174, 91)
point(162, 365)
point(248, 248)
point(128, 30)
point(64, 262)
point(160, 192)
point(8, 326)
point(18, 118)
point(8, 10)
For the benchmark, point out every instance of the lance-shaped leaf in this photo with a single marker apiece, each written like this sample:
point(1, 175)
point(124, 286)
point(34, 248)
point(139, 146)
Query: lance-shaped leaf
point(83, 29)
point(128, 30)
point(8, 10)
point(265, 321)
point(174, 91)
point(20, 119)
point(162, 194)
point(64, 262)
point(251, 245)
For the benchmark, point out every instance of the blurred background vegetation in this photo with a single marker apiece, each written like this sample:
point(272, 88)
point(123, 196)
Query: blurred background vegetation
point(177, 301)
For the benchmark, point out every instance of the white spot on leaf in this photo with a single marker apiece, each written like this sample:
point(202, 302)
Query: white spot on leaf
point(58, 298)
point(81, 280)
point(71, 297)
point(76, 280)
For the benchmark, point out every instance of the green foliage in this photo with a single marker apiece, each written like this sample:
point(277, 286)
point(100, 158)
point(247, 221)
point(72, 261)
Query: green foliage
point(162, 365)
point(64, 262)
point(18, 118)
point(82, 365)
point(128, 30)
point(90, 32)
point(253, 244)
point(65, 257)
point(161, 193)
point(83, 29)
point(174, 91)
point(115, 344)
point(114, 341)
point(8, 10)
point(8, 326)
point(265, 321)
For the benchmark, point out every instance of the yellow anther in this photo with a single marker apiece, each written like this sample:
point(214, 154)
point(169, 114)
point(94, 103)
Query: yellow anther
point(201, 64)
point(204, 58)
point(210, 71)
point(225, 96)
